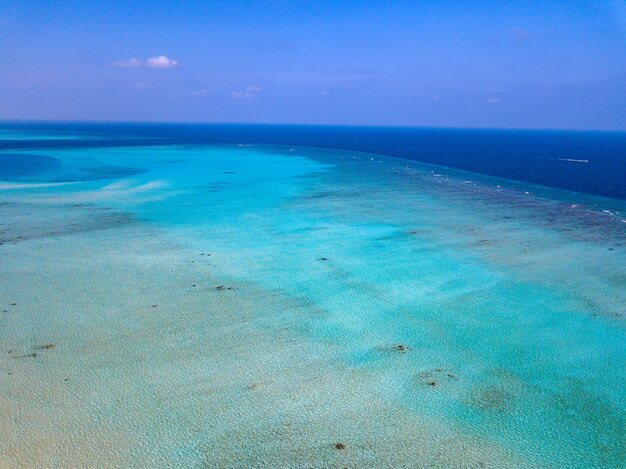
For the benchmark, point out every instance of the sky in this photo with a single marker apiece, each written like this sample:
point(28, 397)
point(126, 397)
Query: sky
point(473, 63)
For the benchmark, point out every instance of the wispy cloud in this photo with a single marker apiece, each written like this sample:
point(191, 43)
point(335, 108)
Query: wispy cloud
point(130, 63)
point(247, 93)
point(160, 61)
point(202, 92)
point(192, 94)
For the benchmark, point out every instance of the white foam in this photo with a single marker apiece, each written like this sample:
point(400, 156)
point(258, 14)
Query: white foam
point(10, 185)
point(573, 160)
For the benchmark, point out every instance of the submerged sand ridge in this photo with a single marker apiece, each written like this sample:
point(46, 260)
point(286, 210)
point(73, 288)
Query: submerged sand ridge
point(307, 313)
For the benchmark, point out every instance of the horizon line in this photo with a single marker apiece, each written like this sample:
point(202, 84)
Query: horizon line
point(292, 124)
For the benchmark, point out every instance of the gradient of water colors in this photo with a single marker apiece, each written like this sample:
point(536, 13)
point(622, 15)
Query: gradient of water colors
point(197, 305)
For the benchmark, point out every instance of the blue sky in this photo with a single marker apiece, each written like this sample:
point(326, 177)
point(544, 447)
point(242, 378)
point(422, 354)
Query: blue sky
point(528, 64)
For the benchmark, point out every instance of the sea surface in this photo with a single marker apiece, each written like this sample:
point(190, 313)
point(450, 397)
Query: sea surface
point(263, 296)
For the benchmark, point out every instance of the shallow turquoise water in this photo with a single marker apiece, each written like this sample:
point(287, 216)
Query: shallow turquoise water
point(193, 306)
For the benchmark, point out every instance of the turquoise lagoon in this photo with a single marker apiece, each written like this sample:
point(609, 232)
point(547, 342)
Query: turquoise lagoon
point(275, 306)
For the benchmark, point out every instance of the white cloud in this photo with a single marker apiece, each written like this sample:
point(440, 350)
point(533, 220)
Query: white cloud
point(247, 93)
point(493, 100)
point(128, 63)
point(160, 61)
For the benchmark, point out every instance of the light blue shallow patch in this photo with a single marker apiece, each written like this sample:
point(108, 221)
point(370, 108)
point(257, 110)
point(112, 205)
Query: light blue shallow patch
point(457, 303)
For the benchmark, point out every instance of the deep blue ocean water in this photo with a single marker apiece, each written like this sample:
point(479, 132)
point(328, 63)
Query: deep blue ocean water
point(590, 162)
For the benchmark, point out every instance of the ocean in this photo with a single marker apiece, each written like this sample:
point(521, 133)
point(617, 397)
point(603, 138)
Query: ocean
point(178, 295)
point(590, 162)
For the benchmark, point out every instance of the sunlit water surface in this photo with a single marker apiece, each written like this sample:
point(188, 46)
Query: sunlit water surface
point(191, 306)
